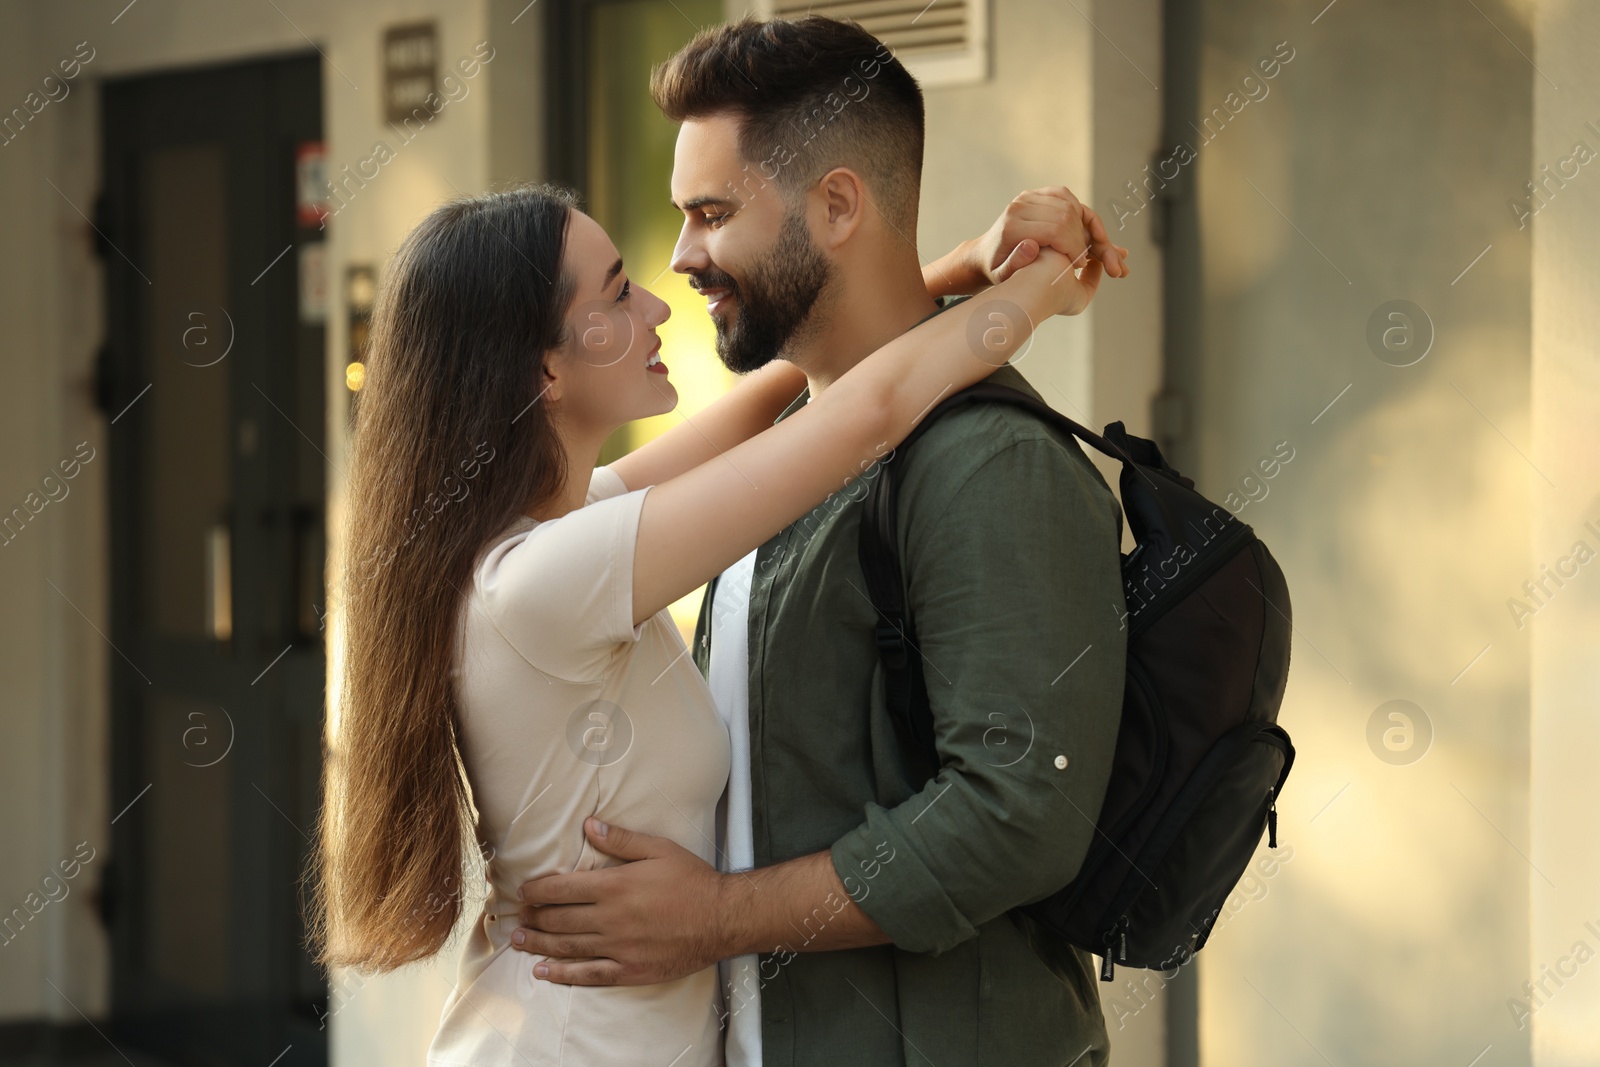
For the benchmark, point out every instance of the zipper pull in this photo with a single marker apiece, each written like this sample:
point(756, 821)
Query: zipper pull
point(1272, 821)
point(1118, 935)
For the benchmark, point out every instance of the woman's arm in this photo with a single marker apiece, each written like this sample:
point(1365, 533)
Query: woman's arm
point(699, 523)
point(1038, 217)
point(752, 405)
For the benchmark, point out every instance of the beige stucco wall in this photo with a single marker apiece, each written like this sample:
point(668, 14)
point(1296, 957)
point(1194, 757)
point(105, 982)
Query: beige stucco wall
point(1421, 894)
point(1565, 634)
point(53, 663)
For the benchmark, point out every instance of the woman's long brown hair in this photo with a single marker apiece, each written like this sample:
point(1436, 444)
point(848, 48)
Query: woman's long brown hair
point(450, 446)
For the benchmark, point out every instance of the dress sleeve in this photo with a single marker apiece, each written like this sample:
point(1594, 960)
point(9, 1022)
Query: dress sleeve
point(562, 593)
point(604, 483)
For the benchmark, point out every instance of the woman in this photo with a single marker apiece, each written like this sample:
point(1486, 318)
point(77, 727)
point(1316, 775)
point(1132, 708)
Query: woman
point(509, 667)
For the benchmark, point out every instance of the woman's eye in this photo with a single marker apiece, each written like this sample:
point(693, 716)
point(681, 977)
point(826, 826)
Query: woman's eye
point(627, 288)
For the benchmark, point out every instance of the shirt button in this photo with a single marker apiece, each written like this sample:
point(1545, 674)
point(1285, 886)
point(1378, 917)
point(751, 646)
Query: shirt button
point(1061, 763)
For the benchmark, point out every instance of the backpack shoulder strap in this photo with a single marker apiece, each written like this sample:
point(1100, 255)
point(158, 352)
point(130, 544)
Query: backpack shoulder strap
point(905, 687)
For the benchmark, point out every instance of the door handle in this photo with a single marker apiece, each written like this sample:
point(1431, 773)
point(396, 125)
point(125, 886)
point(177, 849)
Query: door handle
point(219, 582)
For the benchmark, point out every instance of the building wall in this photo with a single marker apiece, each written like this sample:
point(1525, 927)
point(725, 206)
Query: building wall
point(1565, 634)
point(1029, 124)
point(1125, 347)
point(1125, 364)
point(1378, 169)
point(53, 763)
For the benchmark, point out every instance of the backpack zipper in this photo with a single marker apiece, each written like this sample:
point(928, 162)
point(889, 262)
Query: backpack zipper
point(1118, 933)
point(1203, 776)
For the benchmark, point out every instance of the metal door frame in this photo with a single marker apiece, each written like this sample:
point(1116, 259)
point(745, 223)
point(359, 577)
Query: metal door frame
point(258, 109)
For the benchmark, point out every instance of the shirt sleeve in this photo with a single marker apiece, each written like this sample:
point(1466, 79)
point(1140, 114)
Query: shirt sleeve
point(562, 594)
point(603, 484)
point(1014, 584)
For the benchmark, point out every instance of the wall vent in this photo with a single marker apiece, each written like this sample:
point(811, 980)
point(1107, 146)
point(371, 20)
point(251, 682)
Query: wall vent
point(941, 43)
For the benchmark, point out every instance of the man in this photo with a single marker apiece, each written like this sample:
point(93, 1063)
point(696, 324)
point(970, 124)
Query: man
point(875, 926)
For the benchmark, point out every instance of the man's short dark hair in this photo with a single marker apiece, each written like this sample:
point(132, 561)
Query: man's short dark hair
point(812, 93)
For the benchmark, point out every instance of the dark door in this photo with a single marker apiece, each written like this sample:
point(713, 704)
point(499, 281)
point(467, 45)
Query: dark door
point(212, 379)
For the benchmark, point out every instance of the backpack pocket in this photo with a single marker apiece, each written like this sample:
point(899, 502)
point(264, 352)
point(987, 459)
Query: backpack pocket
point(1169, 903)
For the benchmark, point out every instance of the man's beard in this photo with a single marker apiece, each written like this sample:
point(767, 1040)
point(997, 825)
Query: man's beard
point(774, 301)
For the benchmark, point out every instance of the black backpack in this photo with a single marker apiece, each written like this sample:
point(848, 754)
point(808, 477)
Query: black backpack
point(1200, 759)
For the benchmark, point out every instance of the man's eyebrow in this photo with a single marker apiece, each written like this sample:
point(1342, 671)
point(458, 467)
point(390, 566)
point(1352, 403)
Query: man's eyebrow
point(705, 201)
point(616, 269)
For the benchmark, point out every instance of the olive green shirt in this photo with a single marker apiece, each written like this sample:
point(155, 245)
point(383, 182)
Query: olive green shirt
point(1009, 542)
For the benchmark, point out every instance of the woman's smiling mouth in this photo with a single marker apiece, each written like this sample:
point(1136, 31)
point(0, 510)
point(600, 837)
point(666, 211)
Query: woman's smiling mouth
point(653, 361)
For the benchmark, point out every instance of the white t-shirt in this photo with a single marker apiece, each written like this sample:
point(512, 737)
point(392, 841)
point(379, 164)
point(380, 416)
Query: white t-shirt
point(730, 687)
point(569, 710)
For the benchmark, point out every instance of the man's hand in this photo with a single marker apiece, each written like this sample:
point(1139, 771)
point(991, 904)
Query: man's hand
point(1051, 217)
point(653, 919)
point(665, 913)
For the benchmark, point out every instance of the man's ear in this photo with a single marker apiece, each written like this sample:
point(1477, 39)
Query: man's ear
point(845, 202)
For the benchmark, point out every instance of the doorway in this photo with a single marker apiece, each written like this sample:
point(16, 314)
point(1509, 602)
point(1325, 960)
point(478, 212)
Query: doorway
point(611, 144)
point(212, 379)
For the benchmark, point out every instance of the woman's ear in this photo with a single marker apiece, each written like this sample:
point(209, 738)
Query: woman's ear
point(552, 375)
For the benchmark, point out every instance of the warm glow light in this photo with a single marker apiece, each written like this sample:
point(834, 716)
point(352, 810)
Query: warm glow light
point(688, 348)
point(333, 615)
point(354, 375)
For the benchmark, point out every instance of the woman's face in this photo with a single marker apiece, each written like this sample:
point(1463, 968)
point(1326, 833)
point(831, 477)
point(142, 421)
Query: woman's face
point(608, 372)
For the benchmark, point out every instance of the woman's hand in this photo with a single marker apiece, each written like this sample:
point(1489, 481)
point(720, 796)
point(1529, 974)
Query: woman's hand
point(1069, 284)
point(1049, 217)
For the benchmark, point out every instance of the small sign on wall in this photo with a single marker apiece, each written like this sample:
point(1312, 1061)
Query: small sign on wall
point(310, 183)
point(410, 68)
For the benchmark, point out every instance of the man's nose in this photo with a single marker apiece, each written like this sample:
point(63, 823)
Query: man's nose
point(687, 255)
